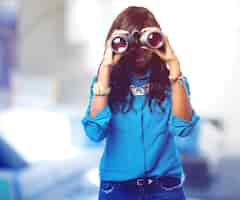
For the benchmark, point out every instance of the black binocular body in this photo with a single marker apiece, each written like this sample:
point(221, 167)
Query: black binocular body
point(125, 42)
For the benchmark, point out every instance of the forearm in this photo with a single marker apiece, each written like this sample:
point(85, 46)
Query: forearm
point(99, 102)
point(181, 105)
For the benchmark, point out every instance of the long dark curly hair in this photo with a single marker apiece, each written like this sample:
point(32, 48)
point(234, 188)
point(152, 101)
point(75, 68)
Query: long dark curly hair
point(130, 19)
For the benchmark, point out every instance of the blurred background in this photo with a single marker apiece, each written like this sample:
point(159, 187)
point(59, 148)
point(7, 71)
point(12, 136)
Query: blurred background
point(49, 52)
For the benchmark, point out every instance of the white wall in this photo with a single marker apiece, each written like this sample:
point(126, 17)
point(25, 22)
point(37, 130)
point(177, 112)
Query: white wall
point(205, 35)
point(43, 50)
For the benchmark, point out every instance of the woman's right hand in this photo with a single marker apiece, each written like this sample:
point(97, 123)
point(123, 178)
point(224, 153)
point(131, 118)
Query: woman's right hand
point(110, 58)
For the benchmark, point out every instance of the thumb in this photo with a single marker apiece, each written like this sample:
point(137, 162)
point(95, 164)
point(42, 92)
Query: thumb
point(116, 57)
point(161, 55)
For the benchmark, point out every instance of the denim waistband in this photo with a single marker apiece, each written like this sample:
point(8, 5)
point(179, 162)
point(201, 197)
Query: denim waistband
point(164, 181)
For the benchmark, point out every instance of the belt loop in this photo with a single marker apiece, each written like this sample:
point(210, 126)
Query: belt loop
point(142, 181)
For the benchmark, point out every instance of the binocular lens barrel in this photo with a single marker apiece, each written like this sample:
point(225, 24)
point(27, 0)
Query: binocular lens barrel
point(119, 44)
point(154, 40)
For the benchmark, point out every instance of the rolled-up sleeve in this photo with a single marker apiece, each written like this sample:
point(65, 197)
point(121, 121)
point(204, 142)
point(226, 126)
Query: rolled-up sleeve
point(180, 127)
point(96, 127)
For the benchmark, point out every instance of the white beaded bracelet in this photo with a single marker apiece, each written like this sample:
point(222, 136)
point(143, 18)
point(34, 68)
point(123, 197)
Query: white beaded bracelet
point(100, 90)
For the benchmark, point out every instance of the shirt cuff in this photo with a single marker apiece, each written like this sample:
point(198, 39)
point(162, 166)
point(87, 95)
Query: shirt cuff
point(96, 127)
point(101, 118)
point(182, 127)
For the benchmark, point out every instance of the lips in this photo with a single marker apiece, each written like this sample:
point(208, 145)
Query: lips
point(137, 56)
point(140, 59)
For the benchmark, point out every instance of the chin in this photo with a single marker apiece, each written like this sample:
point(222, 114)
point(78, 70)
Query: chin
point(142, 66)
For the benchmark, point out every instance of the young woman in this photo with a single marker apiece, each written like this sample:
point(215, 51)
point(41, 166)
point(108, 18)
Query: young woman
point(139, 102)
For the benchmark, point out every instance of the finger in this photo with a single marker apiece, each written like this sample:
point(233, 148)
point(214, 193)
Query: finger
point(116, 57)
point(166, 40)
point(108, 42)
point(147, 48)
point(156, 51)
point(119, 32)
point(162, 56)
point(151, 28)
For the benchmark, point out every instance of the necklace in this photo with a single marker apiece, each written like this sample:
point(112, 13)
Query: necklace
point(139, 90)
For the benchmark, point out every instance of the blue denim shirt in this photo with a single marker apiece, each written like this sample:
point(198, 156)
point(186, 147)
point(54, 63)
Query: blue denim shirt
point(139, 143)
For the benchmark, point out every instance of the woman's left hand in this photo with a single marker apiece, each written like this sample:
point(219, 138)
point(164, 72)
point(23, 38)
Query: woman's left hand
point(169, 57)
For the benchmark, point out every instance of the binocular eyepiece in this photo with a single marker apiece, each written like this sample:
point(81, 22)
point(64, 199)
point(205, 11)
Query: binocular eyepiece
point(123, 43)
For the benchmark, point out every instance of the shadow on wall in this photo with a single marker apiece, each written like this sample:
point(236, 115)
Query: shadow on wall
point(9, 158)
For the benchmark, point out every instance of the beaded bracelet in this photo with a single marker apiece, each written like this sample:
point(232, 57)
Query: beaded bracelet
point(100, 90)
point(179, 79)
point(173, 80)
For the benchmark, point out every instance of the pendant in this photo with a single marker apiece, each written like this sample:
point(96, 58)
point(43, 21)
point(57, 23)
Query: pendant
point(139, 90)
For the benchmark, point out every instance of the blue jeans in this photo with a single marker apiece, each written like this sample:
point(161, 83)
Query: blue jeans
point(110, 190)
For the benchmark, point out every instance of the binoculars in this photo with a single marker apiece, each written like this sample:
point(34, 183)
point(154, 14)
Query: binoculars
point(124, 43)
